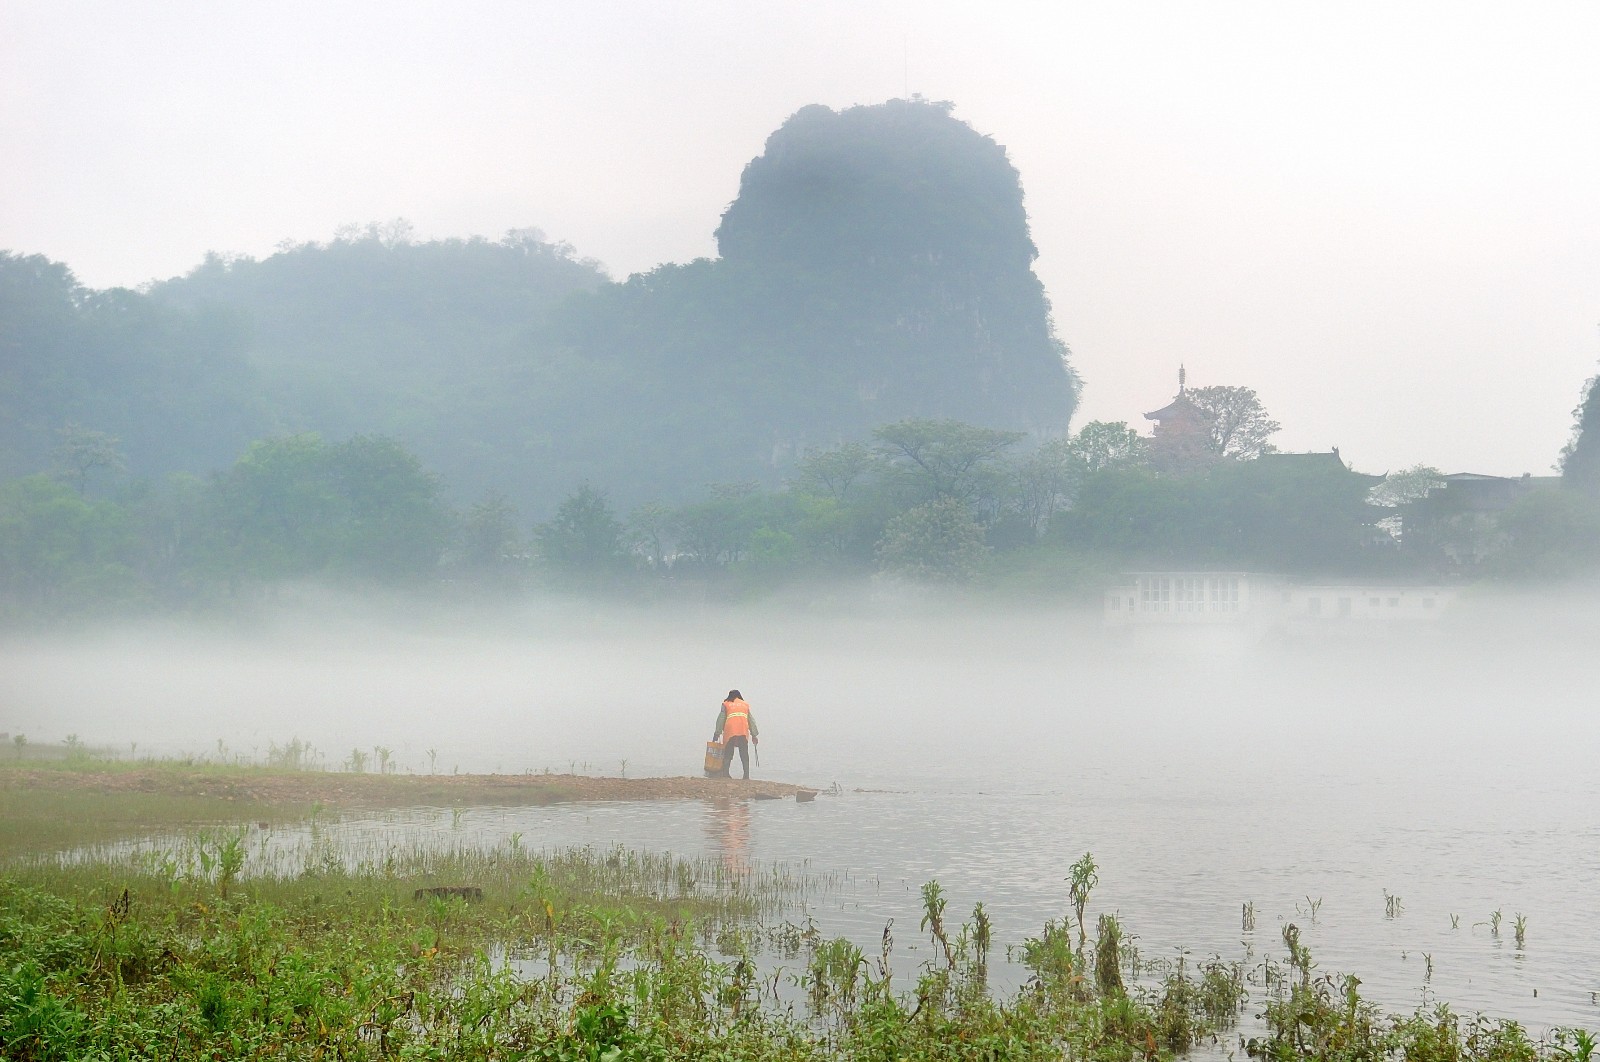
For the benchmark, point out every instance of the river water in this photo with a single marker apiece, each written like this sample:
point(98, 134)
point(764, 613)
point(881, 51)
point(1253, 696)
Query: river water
point(1385, 791)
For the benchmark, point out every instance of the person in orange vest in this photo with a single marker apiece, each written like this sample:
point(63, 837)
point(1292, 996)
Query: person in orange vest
point(738, 727)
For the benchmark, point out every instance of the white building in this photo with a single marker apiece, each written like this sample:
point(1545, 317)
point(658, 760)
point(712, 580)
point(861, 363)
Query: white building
point(1254, 600)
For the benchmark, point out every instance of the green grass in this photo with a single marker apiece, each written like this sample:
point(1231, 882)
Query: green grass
point(35, 821)
point(224, 942)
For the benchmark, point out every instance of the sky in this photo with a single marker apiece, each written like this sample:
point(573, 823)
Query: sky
point(1382, 216)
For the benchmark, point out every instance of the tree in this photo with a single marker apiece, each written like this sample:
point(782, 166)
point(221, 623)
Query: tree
point(717, 532)
point(1580, 459)
point(1101, 445)
point(296, 506)
point(1260, 515)
point(942, 459)
point(649, 526)
point(489, 539)
point(1240, 426)
point(396, 527)
point(1405, 486)
point(1399, 489)
point(82, 452)
point(938, 541)
point(831, 473)
point(584, 537)
point(1549, 534)
point(60, 552)
point(1045, 481)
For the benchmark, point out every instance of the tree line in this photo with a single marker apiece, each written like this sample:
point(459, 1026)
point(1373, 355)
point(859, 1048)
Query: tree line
point(921, 500)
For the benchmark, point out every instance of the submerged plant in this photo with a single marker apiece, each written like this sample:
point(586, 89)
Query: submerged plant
point(1391, 905)
point(885, 949)
point(1081, 881)
point(1247, 918)
point(933, 904)
point(1299, 954)
point(833, 974)
point(1493, 923)
point(1519, 929)
point(1108, 956)
point(1575, 1045)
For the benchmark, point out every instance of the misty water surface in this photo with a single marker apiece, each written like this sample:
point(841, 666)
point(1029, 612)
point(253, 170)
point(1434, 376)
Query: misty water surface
point(1451, 767)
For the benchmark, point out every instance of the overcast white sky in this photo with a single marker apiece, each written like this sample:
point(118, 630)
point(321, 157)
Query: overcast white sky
point(1383, 216)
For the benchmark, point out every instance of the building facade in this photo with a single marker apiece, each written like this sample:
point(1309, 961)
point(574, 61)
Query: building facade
point(1264, 602)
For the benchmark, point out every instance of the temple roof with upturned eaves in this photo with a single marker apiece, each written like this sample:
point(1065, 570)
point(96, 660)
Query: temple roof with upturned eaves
point(1179, 408)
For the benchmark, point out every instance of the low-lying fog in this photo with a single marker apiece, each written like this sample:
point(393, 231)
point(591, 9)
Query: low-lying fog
point(919, 691)
point(1450, 765)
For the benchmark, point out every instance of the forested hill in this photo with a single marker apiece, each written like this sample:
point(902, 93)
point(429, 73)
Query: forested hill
point(174, 386)
point(433, 343)
point(901, 236)
point(875, 266)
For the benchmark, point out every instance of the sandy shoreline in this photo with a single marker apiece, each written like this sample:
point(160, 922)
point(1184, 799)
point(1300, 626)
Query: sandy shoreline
point(336, 789)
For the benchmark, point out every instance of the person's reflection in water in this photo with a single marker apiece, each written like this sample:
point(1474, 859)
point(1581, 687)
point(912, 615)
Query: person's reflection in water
point(728, 830)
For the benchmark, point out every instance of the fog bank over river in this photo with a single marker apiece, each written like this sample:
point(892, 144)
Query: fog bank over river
point(1452, 766)
point(894, 691)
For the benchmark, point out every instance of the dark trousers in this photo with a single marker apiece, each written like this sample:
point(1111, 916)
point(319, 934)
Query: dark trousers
point(741, 743)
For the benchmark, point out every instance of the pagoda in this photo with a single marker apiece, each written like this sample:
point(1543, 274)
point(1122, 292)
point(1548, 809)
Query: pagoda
point(1181, 439)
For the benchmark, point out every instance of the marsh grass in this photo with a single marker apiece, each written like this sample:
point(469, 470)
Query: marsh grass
point(235, 942)
point(34, 821)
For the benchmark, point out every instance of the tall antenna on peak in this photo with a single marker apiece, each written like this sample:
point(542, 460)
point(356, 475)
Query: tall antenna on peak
point(1181, 376)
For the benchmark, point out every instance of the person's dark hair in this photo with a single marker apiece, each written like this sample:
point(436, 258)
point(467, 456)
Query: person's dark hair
point(734, 695)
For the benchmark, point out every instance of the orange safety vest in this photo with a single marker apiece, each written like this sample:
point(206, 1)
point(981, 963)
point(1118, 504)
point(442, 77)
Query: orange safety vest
point(737, 722)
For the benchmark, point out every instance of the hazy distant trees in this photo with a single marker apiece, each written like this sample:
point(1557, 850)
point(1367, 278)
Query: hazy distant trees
point(438, 344)
point(1240, 426)
point(1405, 486)
point(82, 452)
point(61, 552)
point(1548, 534)
point(935, 501)
point(1102, 445)
point(937, 459)
point(831, 473)
point(1580, 459)
point(296, 506)
point(584, 537)
point(490, 541)
point(937, 541)
point(1256, 514)
point(875, 267)
point(171, 385)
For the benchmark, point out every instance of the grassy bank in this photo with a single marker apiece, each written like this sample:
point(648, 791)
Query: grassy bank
point(215, 947)
point(506, 954)
point(58, 796)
